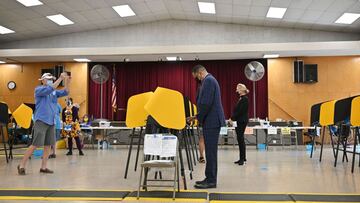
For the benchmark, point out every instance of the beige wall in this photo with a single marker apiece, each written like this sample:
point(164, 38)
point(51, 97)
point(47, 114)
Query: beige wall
point(26, 78)
point(338, 77)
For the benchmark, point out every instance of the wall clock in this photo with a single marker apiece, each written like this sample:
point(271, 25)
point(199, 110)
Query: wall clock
point(11, 85)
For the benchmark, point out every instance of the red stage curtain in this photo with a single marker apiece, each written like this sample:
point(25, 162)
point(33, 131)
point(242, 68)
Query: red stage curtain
point(138, 77)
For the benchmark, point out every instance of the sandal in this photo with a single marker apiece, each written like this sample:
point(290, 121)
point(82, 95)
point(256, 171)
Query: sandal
point(201, 160)
point(21, 171)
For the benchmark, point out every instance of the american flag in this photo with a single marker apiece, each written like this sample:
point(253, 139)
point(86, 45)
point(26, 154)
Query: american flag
point(113, 90)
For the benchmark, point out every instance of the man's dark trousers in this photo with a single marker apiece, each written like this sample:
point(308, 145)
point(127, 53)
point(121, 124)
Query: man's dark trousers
point(211, 137)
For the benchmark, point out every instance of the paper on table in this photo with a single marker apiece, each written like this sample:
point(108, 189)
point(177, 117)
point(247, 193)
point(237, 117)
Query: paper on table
point(223, 131)
point(169, 146)
point(153, 144)
point(272, 131)
point(249, 131)
point(285, 131)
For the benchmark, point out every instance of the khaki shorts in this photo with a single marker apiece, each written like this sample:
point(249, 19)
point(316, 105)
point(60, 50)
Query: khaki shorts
point(43, 134)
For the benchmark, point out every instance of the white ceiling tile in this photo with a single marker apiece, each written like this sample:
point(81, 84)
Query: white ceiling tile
point(293, 13)
point(107, 13)
point(302, 4)
point(261, 2)
point(91, 15)
point(354, 8)
point(10, 4)
point(61, 7)
point(156, 5)
point(78, 5)
point(280, 3)
point(26, 12)
point(224, 9)
point(6, 16)
point(342, 5)
point(240, 10)
point(140, 8)
point(97, 3)
point(320, 5)
point(242, 2)
point(190, 6)
point(258, 11)
point(223, 1)
point(76, 17)
point(43, 10)
point(311, 16)
point(328, 17)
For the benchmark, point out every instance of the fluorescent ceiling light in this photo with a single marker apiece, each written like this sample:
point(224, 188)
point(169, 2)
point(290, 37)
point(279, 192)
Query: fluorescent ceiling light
point(2, 62)
point(60, 19)
point(29, 3)
point(207, 7)
point(173, 58)
point(275, 12)
point(124, 10)
point(82, 60)
point(348, 18)
point(270, 56)
point(4, 30)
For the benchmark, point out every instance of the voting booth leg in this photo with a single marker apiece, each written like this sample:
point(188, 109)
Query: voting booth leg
point(354, 150)
point(129, 153)
point(322, 143)
point(198, 136)
point(138, 148)
point(332, 144)
point(344, 143)
point(192, 145)
point(195, 145)
point(337, 151)
point(312, 145)
point(3, 140)
point(182, 168)
point(188, 154)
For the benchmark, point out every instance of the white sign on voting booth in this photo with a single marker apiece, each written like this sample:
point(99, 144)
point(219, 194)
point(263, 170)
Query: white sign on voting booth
point(160, 145)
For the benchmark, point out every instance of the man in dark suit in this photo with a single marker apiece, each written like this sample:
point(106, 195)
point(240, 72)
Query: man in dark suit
point(211, 118)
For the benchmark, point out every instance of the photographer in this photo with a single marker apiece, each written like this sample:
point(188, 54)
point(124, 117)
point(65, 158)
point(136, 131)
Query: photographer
point(46, 97)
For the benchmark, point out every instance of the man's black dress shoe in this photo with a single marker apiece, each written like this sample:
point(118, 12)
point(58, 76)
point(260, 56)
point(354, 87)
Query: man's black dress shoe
point(205, 185)
point(200, 182)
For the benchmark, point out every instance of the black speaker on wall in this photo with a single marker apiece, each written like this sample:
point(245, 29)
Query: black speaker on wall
point(310, 73)
point(298, 71)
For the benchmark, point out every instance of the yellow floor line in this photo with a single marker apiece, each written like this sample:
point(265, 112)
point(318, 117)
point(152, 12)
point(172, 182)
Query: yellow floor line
point(164, 199)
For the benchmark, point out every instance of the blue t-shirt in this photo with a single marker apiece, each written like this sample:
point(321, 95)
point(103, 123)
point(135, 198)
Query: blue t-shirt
point(46, 99)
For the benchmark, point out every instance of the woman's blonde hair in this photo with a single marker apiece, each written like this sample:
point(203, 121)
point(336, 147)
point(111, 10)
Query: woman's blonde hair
point(243, 88)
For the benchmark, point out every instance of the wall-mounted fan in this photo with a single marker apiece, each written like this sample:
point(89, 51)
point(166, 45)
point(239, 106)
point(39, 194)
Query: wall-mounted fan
point(254, 71)
point(100, 74)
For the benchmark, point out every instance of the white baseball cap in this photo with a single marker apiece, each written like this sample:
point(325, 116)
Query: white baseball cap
point(47, 76)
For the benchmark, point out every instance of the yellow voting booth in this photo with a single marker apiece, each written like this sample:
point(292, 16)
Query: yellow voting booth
point(136, 115)
point(355, 121)
point(327, 113)
point(167, 108)
point(23, 116)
